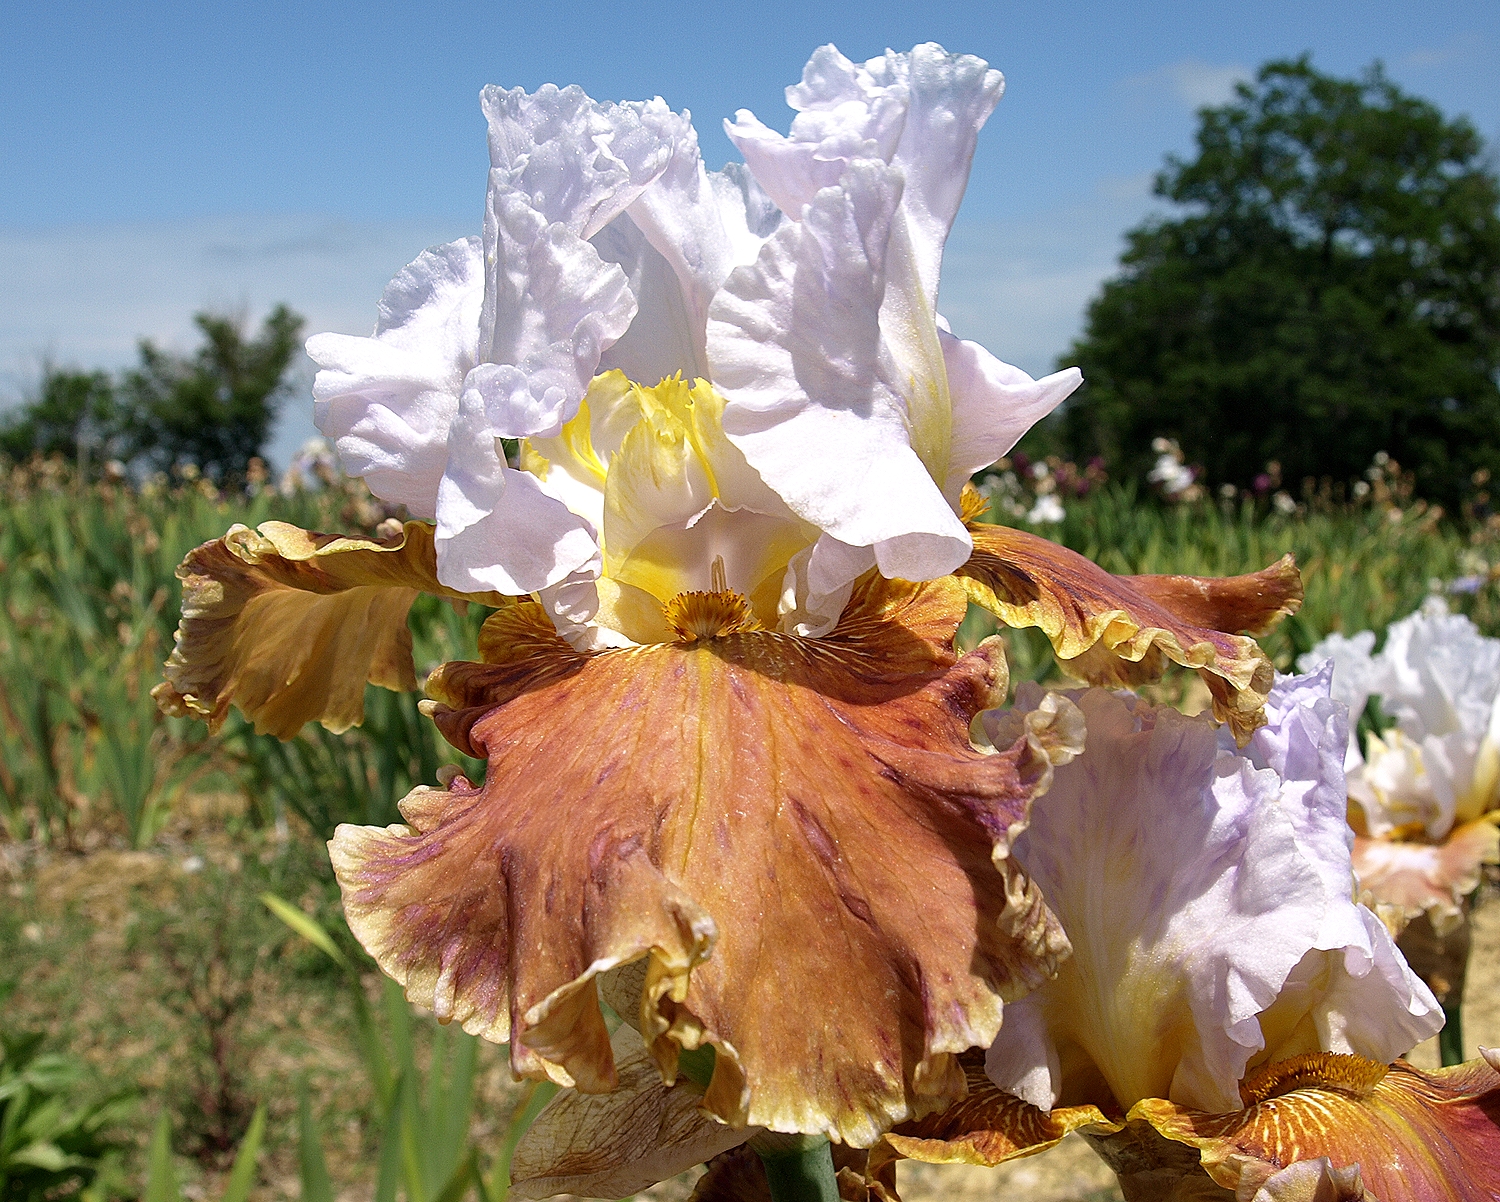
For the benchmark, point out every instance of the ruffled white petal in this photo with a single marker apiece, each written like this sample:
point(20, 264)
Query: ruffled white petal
point(496, 529)
point(1442, 675)
point(573, 605)
point(1443, 688)
point(1324, 1003)
point(891, 401)
point(607, 245)
point(551, 307)
point(1439, 678)
point(562, 167)
point(921, 112)
point(1357, 676)
point(703, 226)
point(1208, 896)
point(993, 405)
point(577, 162)
point(662, 340)
point(795, 347)
point(1302, 742)
point(387, 401)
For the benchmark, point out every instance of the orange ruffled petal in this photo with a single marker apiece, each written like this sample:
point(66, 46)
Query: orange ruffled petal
point(1419, 1136)
point(745, 812)
point(290, 625)
point(1316, 1128)
point(989, 1127)
point(1122, 630)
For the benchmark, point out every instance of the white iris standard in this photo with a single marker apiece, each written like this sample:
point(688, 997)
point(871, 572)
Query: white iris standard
point(757, 352)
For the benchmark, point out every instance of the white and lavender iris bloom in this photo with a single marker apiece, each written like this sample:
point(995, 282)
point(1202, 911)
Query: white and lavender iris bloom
point(1207, 892)
point(1439, 679)
point(733, 379)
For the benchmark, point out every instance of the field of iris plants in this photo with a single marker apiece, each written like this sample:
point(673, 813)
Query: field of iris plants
point(184, 1013)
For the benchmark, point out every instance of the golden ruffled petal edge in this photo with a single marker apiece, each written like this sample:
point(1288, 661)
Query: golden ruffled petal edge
point(1123, 630)
point(740, 812)
point(1417, 1135)
point(1423, 1136)
point(987, 1127)
point(290, 625)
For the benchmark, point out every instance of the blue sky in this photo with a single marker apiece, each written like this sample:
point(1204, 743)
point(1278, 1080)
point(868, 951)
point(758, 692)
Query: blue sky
point(158, 159)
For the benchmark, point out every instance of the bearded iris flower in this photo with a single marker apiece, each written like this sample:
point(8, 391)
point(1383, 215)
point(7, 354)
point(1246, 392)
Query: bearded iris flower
point(1228, 1009)
point(1426, 791)
point(726, 730)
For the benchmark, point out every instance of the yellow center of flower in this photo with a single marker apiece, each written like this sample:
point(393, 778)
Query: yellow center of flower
point(696, 616)
point(1313, 1070)
point(677, 510)
point(711, 615)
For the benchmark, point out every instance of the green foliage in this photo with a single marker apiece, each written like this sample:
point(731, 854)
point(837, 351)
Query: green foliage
point(216, 407)
point(51, 1147)
point(208, 950)
point(161, 1177)
point(73, 412)
point(359, 776)
point(213, 409)
point(88, 606)
point(1331, 290)
point(425, 1150)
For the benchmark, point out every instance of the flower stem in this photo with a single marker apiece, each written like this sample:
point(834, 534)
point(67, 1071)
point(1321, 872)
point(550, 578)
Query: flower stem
point(799, 1168)
point(1451, 1037)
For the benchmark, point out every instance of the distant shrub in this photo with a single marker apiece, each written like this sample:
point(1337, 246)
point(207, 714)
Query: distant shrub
point(213, 409)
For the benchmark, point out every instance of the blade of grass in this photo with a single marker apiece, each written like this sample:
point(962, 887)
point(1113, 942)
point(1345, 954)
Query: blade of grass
point(242, 1174)
point(389, 1176)
point(316, 1186)
point(527, 1108)
point(161, 1179)
point(306, 926)
point(410, 1141)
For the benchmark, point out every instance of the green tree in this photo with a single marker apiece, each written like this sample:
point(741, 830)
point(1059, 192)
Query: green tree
point(73, 413)
point(1330, 288)
point(216, 407)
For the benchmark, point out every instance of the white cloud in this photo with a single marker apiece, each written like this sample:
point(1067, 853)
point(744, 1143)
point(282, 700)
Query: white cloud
point(83, 295)
point(1191, 81)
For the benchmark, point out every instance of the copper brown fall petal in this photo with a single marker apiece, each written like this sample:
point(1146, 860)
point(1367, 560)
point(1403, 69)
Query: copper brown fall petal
point(1422, 1136)
point(988, 1127)
point(797, 834)
point(290, 625)
point(1417, 1136)
point(1123, 630)
point(1406, 880)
